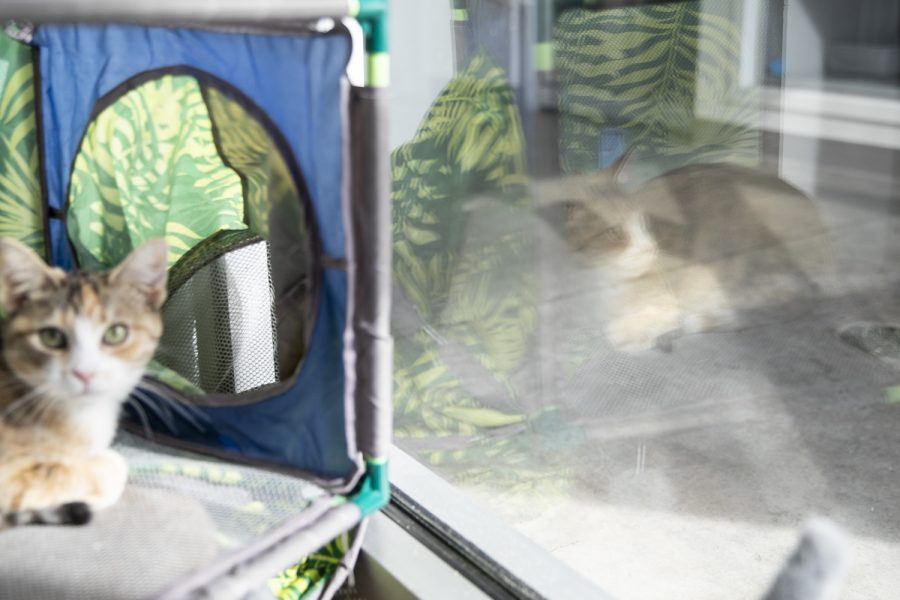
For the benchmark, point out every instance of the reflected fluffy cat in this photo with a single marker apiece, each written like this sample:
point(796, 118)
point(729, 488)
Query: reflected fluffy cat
point(74, 346)
point(696, 249)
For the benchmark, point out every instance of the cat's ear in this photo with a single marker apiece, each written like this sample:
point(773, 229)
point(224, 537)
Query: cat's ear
point(22, 273)
point(614, 174)
point(146, 268)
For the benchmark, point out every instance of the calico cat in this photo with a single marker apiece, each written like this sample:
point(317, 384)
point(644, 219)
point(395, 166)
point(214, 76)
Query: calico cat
point(74, 346)
point(693, 250)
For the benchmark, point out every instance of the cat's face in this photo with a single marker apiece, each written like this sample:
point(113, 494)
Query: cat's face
point(81, 337)
point(604, 231)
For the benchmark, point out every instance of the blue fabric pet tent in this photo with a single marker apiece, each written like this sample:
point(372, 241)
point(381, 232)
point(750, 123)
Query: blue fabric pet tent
point(234, 132)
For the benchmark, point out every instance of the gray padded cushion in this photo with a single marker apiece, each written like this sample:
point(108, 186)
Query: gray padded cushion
point(148, 540)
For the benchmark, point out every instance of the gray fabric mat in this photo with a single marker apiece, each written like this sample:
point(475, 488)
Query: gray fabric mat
point(149, 538)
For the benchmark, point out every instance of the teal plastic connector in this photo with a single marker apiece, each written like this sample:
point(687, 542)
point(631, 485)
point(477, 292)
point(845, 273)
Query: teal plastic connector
point(374, 490)
point(373, 17)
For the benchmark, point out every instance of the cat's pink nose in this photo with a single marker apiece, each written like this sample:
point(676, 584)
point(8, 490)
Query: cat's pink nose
point(84, 376)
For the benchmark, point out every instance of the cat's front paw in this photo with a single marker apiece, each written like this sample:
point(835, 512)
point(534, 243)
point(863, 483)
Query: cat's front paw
point(97, 480)
point(642, 328)
point(107, 473)
point(31, 485)
point(630, 335)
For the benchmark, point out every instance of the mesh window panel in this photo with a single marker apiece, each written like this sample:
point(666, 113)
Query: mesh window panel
point(219, 321)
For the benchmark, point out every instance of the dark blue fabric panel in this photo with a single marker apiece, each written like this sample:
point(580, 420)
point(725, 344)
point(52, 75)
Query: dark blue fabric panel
point(296, 81)
point(309, 435)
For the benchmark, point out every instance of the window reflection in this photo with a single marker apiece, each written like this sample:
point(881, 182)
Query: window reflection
point(645, 301)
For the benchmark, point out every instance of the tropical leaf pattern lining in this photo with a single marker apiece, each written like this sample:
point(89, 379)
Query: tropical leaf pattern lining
point(21, 215)
point(176, 156)
point(249, 149)
point(664, 75)
point(147, 167)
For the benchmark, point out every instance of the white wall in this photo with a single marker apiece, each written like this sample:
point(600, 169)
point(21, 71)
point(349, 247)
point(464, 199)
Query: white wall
point(421, 61)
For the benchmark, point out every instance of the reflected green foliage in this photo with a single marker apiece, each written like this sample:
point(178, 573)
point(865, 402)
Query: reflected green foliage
point(462, 259)
point(21, 215)
point(666, 75)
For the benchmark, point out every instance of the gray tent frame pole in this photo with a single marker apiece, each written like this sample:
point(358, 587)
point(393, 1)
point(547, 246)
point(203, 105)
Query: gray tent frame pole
point(173, 11)
point(370, 228)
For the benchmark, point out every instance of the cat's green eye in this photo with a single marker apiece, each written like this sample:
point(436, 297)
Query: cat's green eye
point(52, 337)
point(115, 334)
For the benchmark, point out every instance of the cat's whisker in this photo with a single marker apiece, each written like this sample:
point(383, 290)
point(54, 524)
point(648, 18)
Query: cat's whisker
point(186, 414)
point(171, 405)
point(10, 411)
point(45, 405)
point(149, 386)
point(148, 402)
point(30, 406)
point(192, 416)
point(142, 415)
point(10, 383)
point(17, 403)
point(23, 401)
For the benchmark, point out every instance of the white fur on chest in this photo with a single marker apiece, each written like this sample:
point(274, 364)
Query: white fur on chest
point(95, 414)
point(97, 422)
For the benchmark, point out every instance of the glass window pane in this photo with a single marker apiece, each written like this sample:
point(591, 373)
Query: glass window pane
point(645, 279)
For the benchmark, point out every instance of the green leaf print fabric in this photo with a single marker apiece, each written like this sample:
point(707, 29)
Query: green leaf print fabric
point(177, 157)
point(21, 215)
point(148, 166)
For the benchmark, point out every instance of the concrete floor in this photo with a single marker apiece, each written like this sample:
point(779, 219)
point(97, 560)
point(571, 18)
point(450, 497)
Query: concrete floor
point(699, 465)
